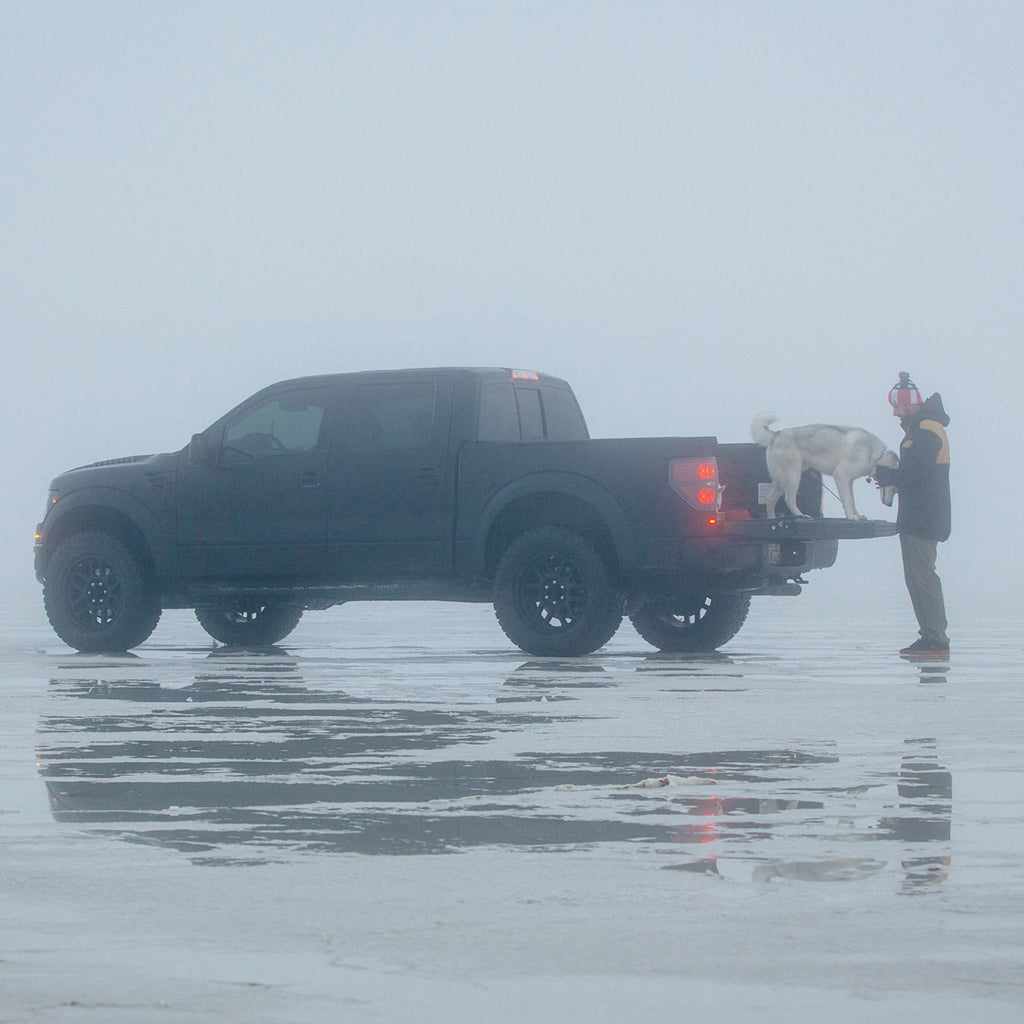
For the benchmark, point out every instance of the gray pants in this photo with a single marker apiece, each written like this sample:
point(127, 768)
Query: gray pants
point(924, 585)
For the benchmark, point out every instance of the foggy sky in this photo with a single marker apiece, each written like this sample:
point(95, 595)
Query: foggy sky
point(692, 211)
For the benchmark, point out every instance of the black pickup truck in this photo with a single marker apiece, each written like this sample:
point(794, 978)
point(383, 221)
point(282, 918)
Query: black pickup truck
point(441, 484)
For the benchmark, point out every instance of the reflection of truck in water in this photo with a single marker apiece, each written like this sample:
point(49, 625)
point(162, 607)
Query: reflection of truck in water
point(251, 757)
point(448, 484)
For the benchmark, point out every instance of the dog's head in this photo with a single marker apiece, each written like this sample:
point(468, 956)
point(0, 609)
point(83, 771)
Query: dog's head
point(892, 461)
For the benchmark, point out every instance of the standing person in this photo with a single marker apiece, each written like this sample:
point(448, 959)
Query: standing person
point(922, 482)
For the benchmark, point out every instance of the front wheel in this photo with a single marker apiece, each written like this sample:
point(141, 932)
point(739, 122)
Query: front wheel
point(552, 595)
point(691, 624)
point(248, 622)
point(97, 596)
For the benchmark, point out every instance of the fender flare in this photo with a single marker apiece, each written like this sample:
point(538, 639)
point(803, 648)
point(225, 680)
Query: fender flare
point(96, 504)
point(607, 509)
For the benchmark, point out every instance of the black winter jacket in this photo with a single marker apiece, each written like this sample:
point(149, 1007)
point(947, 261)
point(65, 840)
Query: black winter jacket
point(922, 479)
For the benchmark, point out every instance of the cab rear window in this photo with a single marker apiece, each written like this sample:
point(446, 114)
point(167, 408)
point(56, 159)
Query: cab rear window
point(528, 413)
point(563, 420)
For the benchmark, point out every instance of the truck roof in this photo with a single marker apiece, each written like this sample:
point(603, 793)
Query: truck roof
point(483, 373)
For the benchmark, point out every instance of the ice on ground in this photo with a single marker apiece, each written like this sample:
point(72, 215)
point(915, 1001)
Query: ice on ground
point(327, 832)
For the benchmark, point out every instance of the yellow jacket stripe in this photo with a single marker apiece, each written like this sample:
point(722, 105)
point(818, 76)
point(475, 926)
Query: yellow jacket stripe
point(942, 459)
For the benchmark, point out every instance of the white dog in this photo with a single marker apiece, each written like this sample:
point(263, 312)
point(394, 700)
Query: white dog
point(843, 453)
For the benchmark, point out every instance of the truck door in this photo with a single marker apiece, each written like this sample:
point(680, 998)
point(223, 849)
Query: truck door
point(256, 507)
point(390, 494)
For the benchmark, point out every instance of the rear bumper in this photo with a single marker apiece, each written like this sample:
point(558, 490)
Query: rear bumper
point(757, 555)
point(789, 547)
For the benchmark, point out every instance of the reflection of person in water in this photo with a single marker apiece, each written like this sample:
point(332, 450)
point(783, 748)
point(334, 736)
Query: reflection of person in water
point(933, 672)
point(925, 789)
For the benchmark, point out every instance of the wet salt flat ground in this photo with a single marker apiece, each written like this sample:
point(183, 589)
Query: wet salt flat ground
point(396, 815)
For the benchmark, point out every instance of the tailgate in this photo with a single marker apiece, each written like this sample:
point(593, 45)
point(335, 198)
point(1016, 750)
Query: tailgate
point(791, 528)
point(745, 474)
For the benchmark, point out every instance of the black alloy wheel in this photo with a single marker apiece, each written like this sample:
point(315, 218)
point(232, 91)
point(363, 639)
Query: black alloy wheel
point(248, 621)
point(97, 597)
point(692, 624)
point(552, 595)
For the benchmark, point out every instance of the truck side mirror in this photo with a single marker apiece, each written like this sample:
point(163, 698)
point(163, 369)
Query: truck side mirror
point(199, 450)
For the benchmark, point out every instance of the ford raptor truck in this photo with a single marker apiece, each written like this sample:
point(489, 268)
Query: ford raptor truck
point(457, 484)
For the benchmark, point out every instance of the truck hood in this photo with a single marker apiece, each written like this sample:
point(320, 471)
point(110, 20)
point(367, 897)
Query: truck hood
point(110, 472)
point(116, 462)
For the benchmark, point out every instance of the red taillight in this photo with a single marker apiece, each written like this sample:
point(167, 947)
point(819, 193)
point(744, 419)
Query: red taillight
point(696, 482)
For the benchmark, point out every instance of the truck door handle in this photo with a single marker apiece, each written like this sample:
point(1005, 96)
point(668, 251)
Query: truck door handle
point(427, 474)
point(309, 479)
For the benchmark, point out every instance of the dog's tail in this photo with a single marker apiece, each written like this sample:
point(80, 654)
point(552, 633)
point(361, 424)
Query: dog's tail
point(759, 428)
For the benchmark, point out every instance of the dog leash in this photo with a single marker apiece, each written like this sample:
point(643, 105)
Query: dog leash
point(826, 487)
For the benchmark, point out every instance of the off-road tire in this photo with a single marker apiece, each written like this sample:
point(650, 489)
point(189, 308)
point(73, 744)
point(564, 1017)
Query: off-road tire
point(248, 622)
point(552, 595)
point(97, 596)
point(694, 624)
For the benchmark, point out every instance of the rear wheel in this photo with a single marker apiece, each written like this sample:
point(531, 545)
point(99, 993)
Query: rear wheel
point(251, 622)
point(692, 624)
point(96, 595)
point(552, 595)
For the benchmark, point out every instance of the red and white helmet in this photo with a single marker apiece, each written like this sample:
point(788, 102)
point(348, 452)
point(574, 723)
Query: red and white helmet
point(903, 395)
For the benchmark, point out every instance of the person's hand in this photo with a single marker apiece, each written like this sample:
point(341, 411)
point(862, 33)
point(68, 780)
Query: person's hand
point(884, 476)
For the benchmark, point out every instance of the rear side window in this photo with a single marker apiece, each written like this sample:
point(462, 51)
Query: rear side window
point(393, 415)
point(499, 418)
